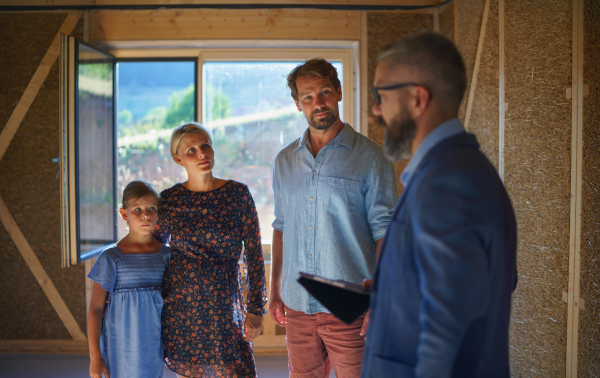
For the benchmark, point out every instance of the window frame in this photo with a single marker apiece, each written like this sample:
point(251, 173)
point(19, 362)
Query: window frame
point(69, 149)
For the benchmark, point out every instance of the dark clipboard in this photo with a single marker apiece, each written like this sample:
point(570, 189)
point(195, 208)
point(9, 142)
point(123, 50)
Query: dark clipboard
point(346, 300)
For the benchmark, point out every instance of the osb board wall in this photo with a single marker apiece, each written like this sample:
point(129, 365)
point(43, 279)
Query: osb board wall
point(538, 178)
point(469, 23)
point(29, 186)
point(484, 115)
point(382, 29)
point(589, 331)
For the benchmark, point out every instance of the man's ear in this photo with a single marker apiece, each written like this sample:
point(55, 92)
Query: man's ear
point(421, 97)
point(123, 213)
point(339, 92)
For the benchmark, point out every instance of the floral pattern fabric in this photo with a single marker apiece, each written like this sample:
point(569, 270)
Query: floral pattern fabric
point(203, 316)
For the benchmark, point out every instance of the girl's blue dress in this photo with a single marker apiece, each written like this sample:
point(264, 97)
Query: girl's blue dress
point(131, 339)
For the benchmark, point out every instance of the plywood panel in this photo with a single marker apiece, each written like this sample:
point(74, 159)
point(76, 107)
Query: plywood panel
point(224, 24)
point(538, 178)
point(30, 188)
point(589, 332)
point(384, 28)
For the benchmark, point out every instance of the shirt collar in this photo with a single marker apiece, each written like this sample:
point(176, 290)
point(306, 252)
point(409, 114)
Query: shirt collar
point(345, 138)
point(444, 131)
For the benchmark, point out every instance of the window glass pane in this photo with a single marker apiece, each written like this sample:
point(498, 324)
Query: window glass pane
point(95, 149)
point(252, 116)
point(153, 98)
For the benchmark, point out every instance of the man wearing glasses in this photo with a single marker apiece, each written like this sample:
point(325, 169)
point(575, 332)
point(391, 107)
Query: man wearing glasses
point(441, 292)
point(333, 191)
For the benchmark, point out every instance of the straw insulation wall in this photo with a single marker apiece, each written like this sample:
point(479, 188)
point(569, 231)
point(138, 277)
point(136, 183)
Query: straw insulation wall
point(538, 178)
point(383, 28)
point(589, 319)
point(468, 17)
point(29, 186)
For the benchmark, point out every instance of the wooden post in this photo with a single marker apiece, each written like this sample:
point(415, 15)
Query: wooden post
point(501, 94)
point(364, 75)
point(576, 173)
point(484, 19)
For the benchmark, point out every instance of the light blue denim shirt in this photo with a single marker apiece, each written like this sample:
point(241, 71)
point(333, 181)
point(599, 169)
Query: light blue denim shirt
point(331, 210)
point(446, 130)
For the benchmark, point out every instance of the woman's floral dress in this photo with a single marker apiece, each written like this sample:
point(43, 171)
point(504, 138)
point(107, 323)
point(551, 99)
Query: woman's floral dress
point(203, 316)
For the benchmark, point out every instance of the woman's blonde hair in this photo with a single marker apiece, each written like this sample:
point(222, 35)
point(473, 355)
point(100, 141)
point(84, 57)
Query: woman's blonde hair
point(188, 128)
point(136, 190)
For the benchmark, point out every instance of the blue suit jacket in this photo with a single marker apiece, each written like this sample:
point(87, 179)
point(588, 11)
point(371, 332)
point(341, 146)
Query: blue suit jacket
point(441, 293)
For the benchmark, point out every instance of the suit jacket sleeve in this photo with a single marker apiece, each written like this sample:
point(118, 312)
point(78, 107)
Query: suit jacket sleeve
point(452, 264)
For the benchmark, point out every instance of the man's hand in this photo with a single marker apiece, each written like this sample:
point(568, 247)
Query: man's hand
point(277, 310)
point(97, 367)
point(252, 326)
point(363, 331)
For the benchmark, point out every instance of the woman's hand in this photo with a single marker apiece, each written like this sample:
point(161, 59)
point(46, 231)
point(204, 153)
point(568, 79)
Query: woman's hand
point(252, 326)
point(97, 366)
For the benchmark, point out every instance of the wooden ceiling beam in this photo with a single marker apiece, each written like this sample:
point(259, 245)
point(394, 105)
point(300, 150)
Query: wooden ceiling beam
point(222, 3)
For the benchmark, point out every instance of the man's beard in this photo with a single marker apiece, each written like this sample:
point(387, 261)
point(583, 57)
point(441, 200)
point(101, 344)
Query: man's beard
point(398, 136)
point(323, 123)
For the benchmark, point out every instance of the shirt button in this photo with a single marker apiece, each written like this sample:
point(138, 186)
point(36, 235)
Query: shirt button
point(312, 199)
point(310, 227)
point(309, 256)
point(315, 172)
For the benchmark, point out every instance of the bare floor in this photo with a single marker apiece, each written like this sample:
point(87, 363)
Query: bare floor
point(76, 366)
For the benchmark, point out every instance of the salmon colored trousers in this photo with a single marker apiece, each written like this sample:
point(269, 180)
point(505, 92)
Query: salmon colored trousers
point(320, 341)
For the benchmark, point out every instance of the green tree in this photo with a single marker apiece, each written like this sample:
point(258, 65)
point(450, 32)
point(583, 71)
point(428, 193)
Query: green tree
point(182, 107)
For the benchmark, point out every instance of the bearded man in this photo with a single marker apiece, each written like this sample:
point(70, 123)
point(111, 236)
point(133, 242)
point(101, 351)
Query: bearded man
point(441, 293)
point(334, 190)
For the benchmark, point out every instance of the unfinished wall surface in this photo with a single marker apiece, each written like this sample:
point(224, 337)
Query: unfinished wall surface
point(538, 178)
point(468, 17)
point(589, 330)
point(484, 114)
point(29, 186)
point(383, 28)
point(447, 21)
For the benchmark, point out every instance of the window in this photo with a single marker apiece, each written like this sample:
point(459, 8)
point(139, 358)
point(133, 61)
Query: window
point(87, 143)
point(240, 95)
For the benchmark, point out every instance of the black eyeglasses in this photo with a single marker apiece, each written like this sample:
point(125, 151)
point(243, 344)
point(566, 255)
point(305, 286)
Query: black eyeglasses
point(375, 90)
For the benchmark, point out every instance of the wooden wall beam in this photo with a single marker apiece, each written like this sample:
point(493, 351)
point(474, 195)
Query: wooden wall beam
point(573, 299)
point(35, 84)
point(363, 60)
point(501, 94)
point(473, 86)
point(39, 273)
point(241, 24)
point(96, 3)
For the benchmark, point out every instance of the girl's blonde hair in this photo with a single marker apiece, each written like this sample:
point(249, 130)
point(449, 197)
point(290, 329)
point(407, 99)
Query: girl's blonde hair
point(188, 128)
point(136, 190)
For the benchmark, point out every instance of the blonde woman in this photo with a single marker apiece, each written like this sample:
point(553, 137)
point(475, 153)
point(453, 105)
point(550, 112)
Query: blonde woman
point(206, 327)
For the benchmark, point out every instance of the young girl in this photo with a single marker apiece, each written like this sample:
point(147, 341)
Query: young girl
point(126, 340)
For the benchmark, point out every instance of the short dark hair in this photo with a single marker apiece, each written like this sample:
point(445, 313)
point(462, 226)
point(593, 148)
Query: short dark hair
point(136, 190)
point(435, 56)
point(316, 67)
